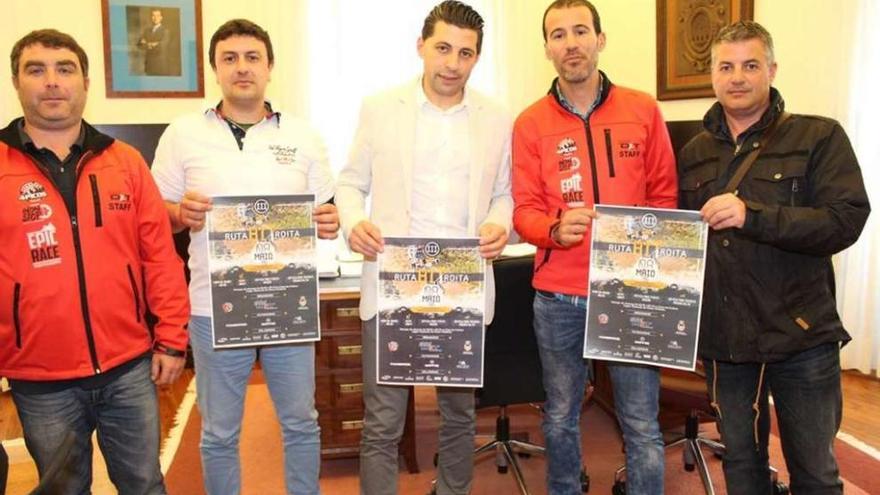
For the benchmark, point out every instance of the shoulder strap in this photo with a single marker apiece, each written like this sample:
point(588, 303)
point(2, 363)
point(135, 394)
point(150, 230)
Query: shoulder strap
point(743, 169)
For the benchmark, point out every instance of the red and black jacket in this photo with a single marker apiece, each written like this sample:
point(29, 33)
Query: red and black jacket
point(74, 287)
point(620, 155)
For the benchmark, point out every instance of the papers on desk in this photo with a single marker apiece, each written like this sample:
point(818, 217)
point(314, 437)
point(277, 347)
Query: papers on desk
point(517, 250)
point(328, 267)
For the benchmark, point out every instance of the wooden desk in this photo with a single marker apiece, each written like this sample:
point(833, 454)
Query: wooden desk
point(338, 378)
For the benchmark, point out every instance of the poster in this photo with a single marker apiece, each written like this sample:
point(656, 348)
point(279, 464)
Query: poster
point(431, 305)
point(646, 285)
point(262, 262)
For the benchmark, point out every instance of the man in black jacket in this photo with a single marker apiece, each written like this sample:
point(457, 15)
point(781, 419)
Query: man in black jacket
point(769, 320)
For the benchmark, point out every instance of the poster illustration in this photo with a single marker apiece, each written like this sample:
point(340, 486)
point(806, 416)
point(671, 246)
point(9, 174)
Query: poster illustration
point(431, 305)
point(263, 267)
point(646, 285)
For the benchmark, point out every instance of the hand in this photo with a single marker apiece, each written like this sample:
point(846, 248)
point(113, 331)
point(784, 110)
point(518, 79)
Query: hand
point(573, 226)
point(493, 237)
point(724, 211)
point(193, 209)
point(166, 369)
point(366, 239)
point(327, 219)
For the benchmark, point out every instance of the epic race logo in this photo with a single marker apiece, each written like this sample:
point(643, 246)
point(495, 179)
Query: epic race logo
point(44, 246)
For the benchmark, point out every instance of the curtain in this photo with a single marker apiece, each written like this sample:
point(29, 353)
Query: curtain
point(858, 268)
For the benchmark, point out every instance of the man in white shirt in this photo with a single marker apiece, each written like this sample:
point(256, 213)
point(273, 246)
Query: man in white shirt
point(435, 159)
point(244, 147)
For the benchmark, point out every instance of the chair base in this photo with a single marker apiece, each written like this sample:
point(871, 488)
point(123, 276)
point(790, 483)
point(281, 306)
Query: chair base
point(692, 456)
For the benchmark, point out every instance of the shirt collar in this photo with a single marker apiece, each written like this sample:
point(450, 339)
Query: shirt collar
point(422, 100)
point(571, 108)
point(218, 111)
point(28, 143)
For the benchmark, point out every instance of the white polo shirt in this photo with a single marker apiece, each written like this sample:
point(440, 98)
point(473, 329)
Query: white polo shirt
point(198, 152)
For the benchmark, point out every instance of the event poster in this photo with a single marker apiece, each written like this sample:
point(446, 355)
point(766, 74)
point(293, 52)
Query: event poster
point(646, 286)
point(262, 262)
point(431, 302)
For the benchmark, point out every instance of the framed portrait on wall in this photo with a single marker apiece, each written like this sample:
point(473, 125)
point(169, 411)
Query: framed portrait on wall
point(153, 48)
point(685, 30)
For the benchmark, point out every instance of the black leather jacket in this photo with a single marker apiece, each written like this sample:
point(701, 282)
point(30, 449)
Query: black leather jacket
point(769, 288)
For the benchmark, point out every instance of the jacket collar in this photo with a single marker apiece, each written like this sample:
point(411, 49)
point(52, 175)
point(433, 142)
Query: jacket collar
point(93, 140)
point(604, 91)
point(716, 124)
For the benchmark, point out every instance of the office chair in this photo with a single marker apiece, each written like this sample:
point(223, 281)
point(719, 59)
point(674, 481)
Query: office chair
point(687, 391)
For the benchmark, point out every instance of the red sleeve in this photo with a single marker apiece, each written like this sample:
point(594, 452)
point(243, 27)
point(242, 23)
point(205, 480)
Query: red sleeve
point(662, 177)
point(164, 281)
point(531, 218)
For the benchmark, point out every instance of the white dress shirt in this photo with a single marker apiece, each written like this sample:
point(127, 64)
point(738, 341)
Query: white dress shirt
point(441, 170)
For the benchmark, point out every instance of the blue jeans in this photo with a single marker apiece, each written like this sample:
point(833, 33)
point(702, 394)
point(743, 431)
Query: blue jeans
point(125, 414)
point(221, 381)
point(559, 328)
point(808, 401)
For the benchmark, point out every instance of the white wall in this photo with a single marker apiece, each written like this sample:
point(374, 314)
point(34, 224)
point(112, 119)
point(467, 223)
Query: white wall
point(813, 44)
point(284, 19)
point(813, 41)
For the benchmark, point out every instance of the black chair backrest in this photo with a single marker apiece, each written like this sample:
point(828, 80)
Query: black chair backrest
point(512, 367)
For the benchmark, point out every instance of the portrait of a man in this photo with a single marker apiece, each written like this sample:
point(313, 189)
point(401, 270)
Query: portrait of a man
point(156, 35)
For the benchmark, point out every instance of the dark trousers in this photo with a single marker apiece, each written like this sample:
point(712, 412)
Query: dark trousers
point(808, 402)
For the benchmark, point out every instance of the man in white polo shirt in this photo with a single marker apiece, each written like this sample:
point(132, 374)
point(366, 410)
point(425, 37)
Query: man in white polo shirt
point(435, 159)
point(243, 147)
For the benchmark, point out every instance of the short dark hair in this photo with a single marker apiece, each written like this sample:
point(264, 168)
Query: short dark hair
point(240, 27)
point(49, 38)
point(564, 4)
point(456, 14)
point(744, 31)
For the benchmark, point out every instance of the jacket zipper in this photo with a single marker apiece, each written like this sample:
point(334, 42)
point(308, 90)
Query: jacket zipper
point(609, 152)
point(794, 190)
point(81, 274)
point(593, 167)
point(16, 298)
point(96, 200)
point(80, 269)
point(135, 293)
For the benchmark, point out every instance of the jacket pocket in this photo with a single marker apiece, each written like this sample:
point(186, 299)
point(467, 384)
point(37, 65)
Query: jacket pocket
point(784, 183)
point(697, 186)
point(16, 320)
point(134, 292)
point(548, 251)
point(609, 152)
point(96, 200)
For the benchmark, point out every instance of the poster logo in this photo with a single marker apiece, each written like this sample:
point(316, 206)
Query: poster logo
point(261, 206)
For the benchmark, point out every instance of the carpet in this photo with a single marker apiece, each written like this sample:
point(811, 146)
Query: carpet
point(262, 467)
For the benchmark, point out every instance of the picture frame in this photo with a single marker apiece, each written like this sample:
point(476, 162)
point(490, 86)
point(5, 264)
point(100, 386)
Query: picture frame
point(153, 48)
point(685, 30)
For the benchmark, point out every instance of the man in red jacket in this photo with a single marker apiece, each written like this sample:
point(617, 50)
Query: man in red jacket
point(87, 246)
point(586, 142)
